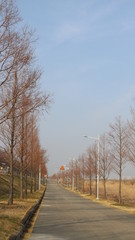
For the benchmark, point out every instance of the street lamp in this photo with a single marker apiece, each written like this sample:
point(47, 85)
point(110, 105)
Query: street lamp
point(98, 144)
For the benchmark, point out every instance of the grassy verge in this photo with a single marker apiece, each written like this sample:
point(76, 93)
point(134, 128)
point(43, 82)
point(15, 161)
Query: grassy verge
point(11, 216)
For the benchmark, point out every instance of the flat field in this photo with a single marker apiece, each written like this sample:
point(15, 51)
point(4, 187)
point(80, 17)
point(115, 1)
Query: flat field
point(112, 190)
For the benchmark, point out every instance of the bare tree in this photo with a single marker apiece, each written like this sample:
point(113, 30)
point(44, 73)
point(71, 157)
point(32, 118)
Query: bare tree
point(131, 139)
point(8, 131)
point(105, 161)
point(75, 171)
point(9, 18)
point(82, 167)
point(31, 100)
point(118, 141)
point(19, 85)
point(15, 51)
point(89, 167)
point(26, 149)
point(43, 160)
point(22, 57)
point(95, 160)
point(23, 85)
point(79, 174)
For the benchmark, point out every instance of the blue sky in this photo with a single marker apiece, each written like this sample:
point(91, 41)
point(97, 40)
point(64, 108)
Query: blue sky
point(86, 49)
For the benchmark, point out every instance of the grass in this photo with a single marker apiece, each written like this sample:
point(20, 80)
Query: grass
point(11, 216)
point(112, 188)
point(8, 225)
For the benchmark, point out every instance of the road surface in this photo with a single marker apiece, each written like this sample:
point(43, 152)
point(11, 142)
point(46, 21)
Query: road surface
point(67, 216)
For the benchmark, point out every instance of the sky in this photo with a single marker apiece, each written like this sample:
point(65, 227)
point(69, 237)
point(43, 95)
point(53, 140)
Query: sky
point(86, 49)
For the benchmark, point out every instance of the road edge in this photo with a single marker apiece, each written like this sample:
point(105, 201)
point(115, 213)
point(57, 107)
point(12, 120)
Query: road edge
point(107, 203)
point(26, 219)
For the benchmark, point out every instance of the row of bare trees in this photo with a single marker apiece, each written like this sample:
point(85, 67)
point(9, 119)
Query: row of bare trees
point(21, 97)
point(117, 148)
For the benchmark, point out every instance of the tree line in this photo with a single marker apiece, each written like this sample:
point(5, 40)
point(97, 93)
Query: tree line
point(21, 99)
point(117, 148)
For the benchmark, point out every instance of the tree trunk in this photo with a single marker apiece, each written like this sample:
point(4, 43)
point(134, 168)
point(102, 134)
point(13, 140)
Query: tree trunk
point(120, 188)
point(26, 183)
point(10, 199)
point(76, 181)
point(31, 173)
point(26, 155)
point(35, 182)
point(21, 179)
point(120, 173)
point(22, 156)
point(83, 182)
point(38, 178)
point(79, 183)
point(71, 179)
point(31, 182)
point(105, 188)
point(90, 186)
point(96, 185)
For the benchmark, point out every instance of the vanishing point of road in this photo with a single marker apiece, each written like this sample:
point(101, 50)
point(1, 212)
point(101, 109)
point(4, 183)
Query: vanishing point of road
point(67, 216)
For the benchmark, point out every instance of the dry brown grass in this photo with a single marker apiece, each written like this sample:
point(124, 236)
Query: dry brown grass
point(112, 188)
point(11, 216)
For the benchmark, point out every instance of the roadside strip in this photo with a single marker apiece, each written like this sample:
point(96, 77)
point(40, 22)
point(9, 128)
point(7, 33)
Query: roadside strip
point(27, 218)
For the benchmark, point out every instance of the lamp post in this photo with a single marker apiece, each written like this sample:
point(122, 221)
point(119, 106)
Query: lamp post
point(98, 145)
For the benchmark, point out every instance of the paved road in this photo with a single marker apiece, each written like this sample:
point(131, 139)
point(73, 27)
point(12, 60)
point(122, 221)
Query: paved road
point(67, 216)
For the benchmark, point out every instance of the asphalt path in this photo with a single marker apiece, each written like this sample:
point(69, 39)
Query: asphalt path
point(67, 216)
